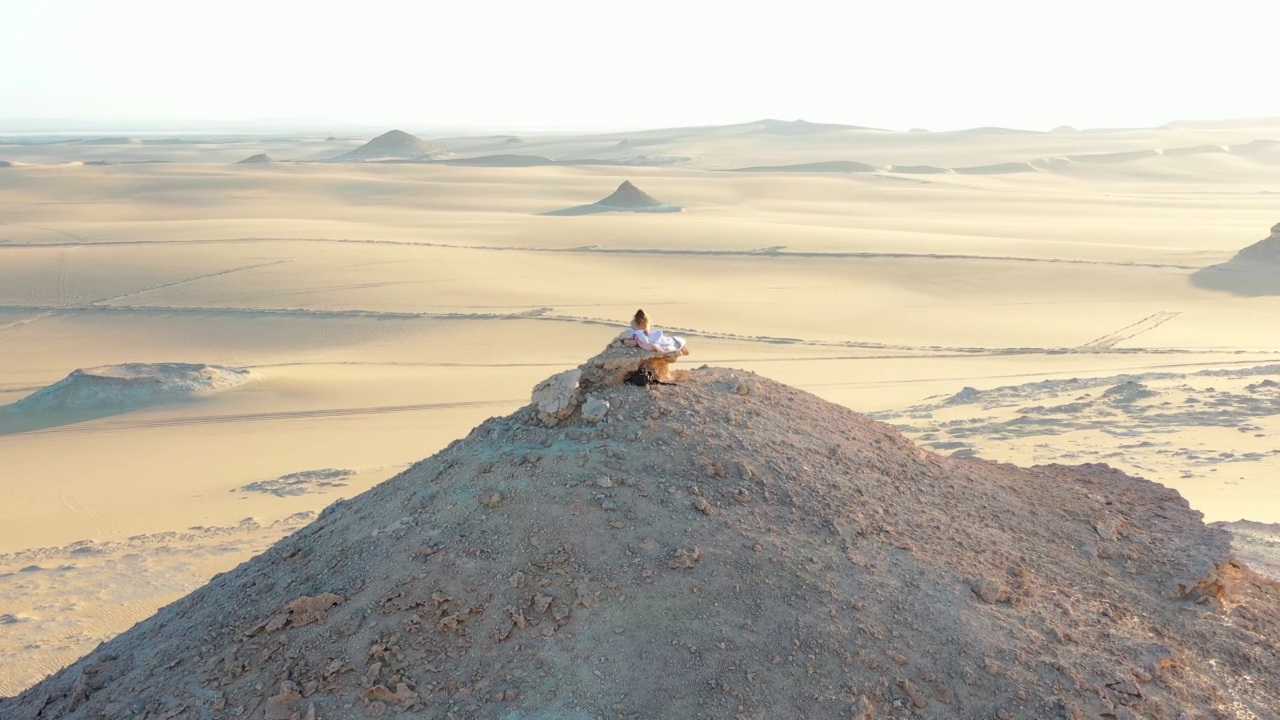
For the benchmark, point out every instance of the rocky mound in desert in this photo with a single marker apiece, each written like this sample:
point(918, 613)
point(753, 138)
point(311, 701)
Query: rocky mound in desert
point(630, 197)
point(130, 385)
point(256, 159)
point(722, 547)
point(393, 145)
point(627, 198)
point(1255, 270)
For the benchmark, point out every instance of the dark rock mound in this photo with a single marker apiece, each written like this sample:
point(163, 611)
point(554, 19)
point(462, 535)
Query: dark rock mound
point(630, 197)
point(725, 547)
point(256, 159)
point(393, 145)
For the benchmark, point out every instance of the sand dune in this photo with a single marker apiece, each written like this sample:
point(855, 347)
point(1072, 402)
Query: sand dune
point(841, 166)
point(1033, 165)
point(998, 169)
point(917, 169)
point(1195, 150)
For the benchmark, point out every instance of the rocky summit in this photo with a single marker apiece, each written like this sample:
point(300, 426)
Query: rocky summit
point(721, 547)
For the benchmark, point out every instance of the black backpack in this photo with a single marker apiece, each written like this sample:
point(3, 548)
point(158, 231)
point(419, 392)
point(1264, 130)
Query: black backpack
point(645, 376)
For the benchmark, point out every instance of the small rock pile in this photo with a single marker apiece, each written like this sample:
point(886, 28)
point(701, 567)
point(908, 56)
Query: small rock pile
point(559, 396)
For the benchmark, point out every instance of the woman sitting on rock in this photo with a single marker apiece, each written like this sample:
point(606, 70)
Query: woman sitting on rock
point(653, 340)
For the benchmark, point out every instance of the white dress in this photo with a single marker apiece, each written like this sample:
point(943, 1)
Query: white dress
point(655, 341)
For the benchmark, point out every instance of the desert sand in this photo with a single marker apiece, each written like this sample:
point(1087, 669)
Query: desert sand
point(383, 309)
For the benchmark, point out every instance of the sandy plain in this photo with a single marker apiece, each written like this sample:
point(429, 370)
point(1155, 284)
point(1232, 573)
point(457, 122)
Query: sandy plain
point(384, 309)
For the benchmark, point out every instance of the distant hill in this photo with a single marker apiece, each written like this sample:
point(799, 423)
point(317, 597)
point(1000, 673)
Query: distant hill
point(630, 197)
point(831, 166)
point(627, 198)
point(256, 159)
point(393, 145)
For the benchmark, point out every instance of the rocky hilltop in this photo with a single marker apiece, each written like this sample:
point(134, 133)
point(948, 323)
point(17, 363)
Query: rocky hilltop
point(722, 547)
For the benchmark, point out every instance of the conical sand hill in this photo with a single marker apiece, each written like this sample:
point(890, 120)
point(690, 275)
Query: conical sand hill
point(630, 197)
point(393, 145)
point(725, 547)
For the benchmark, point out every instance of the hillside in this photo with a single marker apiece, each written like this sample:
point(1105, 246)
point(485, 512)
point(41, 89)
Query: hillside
point(726, 546)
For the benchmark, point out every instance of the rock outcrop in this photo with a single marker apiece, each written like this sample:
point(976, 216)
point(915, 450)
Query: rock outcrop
point(627, 198)
point(558, 397)
point(256, 159)
point(131, 385)
point(727, 547)
point(630, 197)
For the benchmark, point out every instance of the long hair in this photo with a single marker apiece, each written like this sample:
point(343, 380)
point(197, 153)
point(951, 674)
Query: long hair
point(640, 321)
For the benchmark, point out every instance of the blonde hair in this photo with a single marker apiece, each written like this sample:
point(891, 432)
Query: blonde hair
point(640, 321)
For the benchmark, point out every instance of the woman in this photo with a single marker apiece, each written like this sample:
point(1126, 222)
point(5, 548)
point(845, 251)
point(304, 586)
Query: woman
point(652, 340)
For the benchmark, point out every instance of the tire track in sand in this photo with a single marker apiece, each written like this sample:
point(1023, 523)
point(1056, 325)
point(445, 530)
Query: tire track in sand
point(1151, 322)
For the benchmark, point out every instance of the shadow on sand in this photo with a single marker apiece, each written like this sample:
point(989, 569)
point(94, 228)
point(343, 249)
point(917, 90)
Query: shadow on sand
point(15, 421)
point(594, 208)
point(1253, 272)
point(1240, 277)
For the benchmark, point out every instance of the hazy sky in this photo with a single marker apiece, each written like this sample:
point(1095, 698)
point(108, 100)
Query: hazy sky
point(641, 63)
